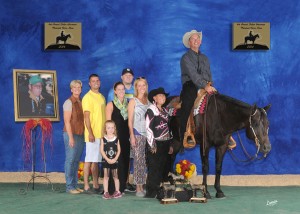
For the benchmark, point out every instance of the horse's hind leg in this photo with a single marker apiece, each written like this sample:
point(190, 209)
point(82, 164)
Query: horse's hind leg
point(220, 151)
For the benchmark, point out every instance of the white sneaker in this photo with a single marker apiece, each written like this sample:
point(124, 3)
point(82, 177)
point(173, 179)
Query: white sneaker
point(140, 194)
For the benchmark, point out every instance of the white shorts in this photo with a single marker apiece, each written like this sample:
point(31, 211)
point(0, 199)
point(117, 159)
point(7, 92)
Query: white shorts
point(92, 153)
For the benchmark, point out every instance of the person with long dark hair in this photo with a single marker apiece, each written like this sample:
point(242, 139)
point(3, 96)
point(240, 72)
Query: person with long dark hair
point(116, 110)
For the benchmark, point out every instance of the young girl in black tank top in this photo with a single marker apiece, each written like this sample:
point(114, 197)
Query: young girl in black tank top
point(110, 151)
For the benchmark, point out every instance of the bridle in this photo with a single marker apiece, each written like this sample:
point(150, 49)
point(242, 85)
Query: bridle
point(257, 143)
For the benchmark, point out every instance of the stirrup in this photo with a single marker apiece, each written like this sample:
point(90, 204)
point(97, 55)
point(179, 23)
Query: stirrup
point(231, 143)
point(189, 140)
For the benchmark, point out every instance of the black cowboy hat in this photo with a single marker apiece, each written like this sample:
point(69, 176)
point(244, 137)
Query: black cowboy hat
point(155, 92)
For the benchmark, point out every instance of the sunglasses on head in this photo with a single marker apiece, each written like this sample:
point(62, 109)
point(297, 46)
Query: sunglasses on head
point(139, 78)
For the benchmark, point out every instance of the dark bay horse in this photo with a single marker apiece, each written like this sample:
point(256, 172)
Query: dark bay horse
point(225, 115)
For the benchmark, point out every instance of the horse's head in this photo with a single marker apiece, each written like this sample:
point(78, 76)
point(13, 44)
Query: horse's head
point(258, 129)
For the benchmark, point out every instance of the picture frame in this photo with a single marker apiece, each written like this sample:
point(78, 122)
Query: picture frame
point(62, 36)
point(251, 36)
point(35, 95)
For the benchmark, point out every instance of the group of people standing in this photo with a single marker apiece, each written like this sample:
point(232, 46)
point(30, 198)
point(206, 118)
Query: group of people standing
point(132, 118)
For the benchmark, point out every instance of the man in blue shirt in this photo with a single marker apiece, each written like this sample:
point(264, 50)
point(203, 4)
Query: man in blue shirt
point(127, 78)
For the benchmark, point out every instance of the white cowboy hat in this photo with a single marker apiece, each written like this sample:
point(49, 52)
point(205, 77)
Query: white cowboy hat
point(187, 35)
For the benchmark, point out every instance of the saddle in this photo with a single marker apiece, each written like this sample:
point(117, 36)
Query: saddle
point(199, 107)
point(189, 138)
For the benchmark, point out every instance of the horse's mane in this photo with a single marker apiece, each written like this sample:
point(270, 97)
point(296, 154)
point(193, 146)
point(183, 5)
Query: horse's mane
point(234, 101)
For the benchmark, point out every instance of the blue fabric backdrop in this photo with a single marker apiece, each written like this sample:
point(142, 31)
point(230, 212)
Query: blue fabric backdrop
point(147, 36)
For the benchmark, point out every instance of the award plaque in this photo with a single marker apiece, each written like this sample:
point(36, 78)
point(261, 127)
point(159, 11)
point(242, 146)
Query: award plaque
point(251, 36)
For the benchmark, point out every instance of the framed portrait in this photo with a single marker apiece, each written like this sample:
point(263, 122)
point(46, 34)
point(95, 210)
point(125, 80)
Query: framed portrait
point(35, 95)
point(62, 36)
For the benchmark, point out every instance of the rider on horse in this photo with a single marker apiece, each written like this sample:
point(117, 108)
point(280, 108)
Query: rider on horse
point(195, 75)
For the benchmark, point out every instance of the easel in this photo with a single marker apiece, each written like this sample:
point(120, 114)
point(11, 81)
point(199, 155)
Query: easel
point(33, 162)
point(33, 129)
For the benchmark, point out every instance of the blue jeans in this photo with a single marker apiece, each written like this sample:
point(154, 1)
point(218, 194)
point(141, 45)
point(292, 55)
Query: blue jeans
point(72, 160)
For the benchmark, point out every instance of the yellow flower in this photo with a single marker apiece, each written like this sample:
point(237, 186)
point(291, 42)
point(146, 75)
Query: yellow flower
point(185, 168)
point(81, 165)
point(192, 167)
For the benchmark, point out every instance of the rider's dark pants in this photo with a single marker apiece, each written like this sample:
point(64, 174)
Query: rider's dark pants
point(188, 96)
point(157, 166)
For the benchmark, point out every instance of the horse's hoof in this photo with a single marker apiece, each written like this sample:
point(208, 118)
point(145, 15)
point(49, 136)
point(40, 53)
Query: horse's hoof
point(220, 195)
point(207, 195)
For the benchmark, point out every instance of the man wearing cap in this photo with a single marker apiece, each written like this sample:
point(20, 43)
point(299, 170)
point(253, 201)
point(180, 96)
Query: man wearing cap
point(127, 78)
point(195, 75)
point(34, 102)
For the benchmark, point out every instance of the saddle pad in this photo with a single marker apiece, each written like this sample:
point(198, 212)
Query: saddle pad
point(200, 104)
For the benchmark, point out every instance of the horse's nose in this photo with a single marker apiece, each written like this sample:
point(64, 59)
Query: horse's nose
point(267, 148)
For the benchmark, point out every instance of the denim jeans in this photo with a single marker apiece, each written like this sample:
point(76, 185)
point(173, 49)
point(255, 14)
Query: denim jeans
point(72, 160)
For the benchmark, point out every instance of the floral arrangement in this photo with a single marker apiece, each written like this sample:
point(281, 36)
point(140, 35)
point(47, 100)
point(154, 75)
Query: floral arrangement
point(185, 168)
point(80, 172)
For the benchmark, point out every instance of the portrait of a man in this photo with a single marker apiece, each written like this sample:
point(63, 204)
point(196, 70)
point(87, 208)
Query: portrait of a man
point(35, 95)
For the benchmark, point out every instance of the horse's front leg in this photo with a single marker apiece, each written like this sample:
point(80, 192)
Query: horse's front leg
point(220, 151)
point(205, 169)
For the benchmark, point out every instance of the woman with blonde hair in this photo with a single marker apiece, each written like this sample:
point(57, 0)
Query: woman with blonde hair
point(137, 108)
point(73, 136)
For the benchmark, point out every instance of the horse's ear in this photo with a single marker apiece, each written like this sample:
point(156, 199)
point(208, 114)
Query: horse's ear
point(266, 108)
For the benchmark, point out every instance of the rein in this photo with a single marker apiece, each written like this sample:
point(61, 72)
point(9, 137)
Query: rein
point(255, 156)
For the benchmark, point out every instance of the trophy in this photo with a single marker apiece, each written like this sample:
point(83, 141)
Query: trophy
point(166, 199)
point(196, 199)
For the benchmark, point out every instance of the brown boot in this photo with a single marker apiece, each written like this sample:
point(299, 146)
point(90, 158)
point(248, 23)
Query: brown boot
point(189, 139)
